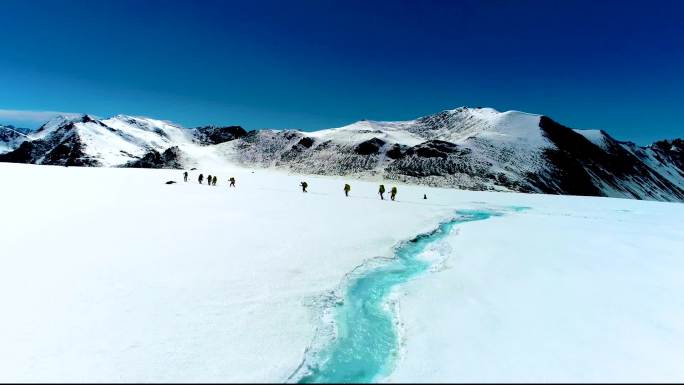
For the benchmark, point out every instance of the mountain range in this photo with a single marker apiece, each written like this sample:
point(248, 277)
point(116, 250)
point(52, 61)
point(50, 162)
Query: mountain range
point(467, 148)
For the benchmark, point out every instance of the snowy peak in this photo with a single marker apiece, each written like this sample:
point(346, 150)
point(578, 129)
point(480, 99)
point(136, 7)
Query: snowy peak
point(510, 127)
point(473, 148)
point(467, 148)
point(121, 140)
point(85, 140)
point(11, 137)
point(60, 121)
point(456, 125)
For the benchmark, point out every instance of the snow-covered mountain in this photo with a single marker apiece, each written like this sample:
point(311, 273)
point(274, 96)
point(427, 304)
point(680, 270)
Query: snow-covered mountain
point(11, 137)
point(478, 149)
point(118, 141)
point(468, 148)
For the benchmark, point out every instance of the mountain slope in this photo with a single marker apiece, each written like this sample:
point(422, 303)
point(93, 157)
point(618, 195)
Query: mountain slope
point(605, 169)
point(118, 141)
point(477, 149)
point(467, 148)
point(11, 137)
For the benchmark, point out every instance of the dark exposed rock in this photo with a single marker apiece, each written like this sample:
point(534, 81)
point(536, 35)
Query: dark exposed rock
point(433, 149)
point(27, 152)
point(290, 134)
point(216, 135)
point(670, 151)
point(69, 153)
point(397, 151)
point(306, 142)
point(170, 158)
point(577, 164)
point(370, 146)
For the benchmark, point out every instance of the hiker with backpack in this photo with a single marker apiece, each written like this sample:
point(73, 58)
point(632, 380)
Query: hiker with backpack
point(347, 188)
point(304, 186)
point(381, 191)
point(393, 192)
point(213, 181)
point(232, 182)
point(200, 178)
point(185, 176)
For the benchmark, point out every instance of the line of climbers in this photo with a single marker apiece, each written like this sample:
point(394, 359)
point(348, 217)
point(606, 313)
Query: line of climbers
point(347, 189)
point(211, 181)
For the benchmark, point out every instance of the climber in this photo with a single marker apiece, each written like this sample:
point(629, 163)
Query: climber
point(393, 193)
point(381, 191)
point(304, 186)
point(213, 181)
point(232, 182)
point(209, 180)
point(347, 188)
point(185, 176)
point(201, 178)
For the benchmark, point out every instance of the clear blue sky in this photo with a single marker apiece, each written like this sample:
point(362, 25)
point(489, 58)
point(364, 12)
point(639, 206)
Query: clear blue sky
point(616, 65)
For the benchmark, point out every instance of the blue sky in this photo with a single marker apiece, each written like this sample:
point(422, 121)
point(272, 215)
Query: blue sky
point(613, 65)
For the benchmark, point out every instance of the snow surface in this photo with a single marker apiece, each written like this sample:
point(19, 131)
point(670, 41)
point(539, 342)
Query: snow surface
point(508, 127)
point(595, 136)
point(392, 132)
point(112, 275)
point(573, 290)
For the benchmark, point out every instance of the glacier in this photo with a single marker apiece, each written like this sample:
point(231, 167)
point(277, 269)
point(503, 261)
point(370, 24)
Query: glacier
point(109, 274)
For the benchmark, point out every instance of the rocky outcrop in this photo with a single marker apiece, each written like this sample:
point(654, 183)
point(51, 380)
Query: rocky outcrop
point(170, 158)
point(216, 135)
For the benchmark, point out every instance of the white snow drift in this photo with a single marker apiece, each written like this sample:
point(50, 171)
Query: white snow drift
point(112, 275)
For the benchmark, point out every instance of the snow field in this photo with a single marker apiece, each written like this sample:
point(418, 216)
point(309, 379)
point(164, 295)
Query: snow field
point(111, 275)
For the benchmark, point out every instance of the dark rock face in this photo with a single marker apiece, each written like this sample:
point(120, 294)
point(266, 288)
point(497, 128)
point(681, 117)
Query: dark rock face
point(670, 151)
point(62, 149)
point(433, 149)
point(297, 150)
point(370, 147)
point(306, 142)
point(69, 153)
point(26, 153)
point(397, 151)
point(436, 159)
point(290, 134)
point(578, 166)
point(567, 175)
point(216, 135)
point(170, 158)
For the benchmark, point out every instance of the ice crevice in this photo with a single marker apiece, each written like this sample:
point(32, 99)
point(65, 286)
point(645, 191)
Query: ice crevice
point(358, 338)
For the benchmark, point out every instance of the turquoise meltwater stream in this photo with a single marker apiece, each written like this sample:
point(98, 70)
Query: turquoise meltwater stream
point(366, 342)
